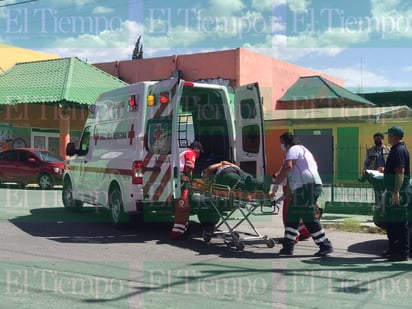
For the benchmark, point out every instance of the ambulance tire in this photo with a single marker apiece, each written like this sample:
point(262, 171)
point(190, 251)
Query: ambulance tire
point(118, 216)
point(69, 203)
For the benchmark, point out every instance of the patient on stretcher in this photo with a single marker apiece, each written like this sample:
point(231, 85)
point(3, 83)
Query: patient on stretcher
point(227, 180)
point(229, 174)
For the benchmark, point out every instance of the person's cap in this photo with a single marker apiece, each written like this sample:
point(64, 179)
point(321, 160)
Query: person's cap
point(378, 134)
point(197, 144)
point(397, 131)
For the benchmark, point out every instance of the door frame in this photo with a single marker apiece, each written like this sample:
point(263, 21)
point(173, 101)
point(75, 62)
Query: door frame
point(46, 135)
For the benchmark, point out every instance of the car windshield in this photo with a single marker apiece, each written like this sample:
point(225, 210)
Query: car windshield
point(48, 156)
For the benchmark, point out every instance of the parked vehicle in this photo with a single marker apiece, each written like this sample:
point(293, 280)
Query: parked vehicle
point(31, 166)
point(127, 159)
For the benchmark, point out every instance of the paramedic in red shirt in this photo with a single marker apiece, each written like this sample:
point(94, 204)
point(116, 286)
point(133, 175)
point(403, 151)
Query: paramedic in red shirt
point(182, 208)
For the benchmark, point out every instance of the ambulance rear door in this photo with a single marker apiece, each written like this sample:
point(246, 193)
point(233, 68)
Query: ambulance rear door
point(161, 169)
point(250, 139)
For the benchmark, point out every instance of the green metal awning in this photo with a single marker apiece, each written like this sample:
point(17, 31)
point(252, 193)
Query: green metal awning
point(58, 80)
point(315, 91)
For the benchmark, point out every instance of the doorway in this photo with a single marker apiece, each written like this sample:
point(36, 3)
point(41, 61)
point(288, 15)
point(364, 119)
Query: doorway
point(320, 143)
point(46, 140)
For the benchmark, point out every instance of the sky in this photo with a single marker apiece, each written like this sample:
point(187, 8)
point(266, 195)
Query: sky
point(367, 43)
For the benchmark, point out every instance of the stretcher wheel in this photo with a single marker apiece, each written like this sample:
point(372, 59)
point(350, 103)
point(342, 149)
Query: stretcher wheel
point(207, 237)
point(270, 243)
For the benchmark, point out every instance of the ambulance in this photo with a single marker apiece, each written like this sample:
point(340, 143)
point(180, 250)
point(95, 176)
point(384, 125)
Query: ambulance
point(127, 158)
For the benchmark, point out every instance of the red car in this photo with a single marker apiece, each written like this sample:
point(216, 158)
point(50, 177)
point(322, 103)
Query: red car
point(31, 166)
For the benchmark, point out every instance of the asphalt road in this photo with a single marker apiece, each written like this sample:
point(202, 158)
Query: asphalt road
point(53, 259)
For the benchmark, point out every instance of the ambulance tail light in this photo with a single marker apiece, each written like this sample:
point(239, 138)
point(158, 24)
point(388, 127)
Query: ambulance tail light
point(164, 98)
point(137, 173)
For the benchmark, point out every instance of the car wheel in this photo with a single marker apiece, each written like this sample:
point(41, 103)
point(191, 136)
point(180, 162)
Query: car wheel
point(69, 202)
point(118, 216)
point(45, 182)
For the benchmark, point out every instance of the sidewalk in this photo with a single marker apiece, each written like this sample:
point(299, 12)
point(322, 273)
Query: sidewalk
point(331, 219)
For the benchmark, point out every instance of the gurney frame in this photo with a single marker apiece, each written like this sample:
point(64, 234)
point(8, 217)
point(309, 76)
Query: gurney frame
point(226, 202)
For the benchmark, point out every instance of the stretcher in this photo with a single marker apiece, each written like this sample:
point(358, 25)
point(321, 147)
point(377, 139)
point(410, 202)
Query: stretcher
point(234, 207)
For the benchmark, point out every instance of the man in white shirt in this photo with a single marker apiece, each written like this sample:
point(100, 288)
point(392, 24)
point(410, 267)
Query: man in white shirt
point(301, 170)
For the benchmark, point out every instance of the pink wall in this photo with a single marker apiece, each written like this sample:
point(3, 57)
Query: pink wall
point(275, 75)
point(240, 66)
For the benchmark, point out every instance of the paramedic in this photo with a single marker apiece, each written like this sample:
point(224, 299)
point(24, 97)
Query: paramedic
point(397, 196)
point(304, 233)
point(305, 184)
point(182, 208)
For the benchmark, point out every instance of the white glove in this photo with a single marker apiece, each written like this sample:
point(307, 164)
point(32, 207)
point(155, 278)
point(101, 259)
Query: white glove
point(273, 188)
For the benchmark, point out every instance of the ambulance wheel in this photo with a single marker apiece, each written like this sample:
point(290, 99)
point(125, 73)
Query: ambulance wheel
point(69, 203)
point(270, 243)
point(118, 215)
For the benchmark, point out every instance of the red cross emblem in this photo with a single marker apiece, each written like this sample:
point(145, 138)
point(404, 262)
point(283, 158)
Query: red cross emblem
point(158, 132)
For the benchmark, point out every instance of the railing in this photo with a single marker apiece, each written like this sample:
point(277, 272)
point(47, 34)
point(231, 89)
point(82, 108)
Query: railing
point(353, 193)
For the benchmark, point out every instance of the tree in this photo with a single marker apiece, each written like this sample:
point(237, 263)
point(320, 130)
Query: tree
point(138, 49)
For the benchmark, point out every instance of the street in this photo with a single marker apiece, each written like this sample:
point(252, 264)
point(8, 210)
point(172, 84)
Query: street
point(54, 259)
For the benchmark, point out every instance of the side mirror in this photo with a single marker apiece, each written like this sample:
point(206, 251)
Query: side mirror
point(71, 149)
point(31, 160)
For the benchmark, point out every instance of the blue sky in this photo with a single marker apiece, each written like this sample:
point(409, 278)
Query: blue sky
point(365, 43)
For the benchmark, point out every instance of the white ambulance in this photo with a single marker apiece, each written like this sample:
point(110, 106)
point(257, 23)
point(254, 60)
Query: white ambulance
point(127, 159)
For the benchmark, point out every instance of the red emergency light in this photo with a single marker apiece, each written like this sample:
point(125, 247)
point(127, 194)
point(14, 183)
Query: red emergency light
point(164, 98)
point(188, 84)
point(132, 102)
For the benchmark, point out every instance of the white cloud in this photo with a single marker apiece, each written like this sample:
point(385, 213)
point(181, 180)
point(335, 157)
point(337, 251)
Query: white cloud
point(298, 5)
point(407, 69)
point(264, 5)
point(358, 79)
point(106, 46)
point(102, 10)
point(392, 18)
point(280, 49)
point(224, 8)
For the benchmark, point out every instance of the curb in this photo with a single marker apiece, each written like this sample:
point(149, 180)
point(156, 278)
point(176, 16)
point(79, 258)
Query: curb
point(363, 227)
